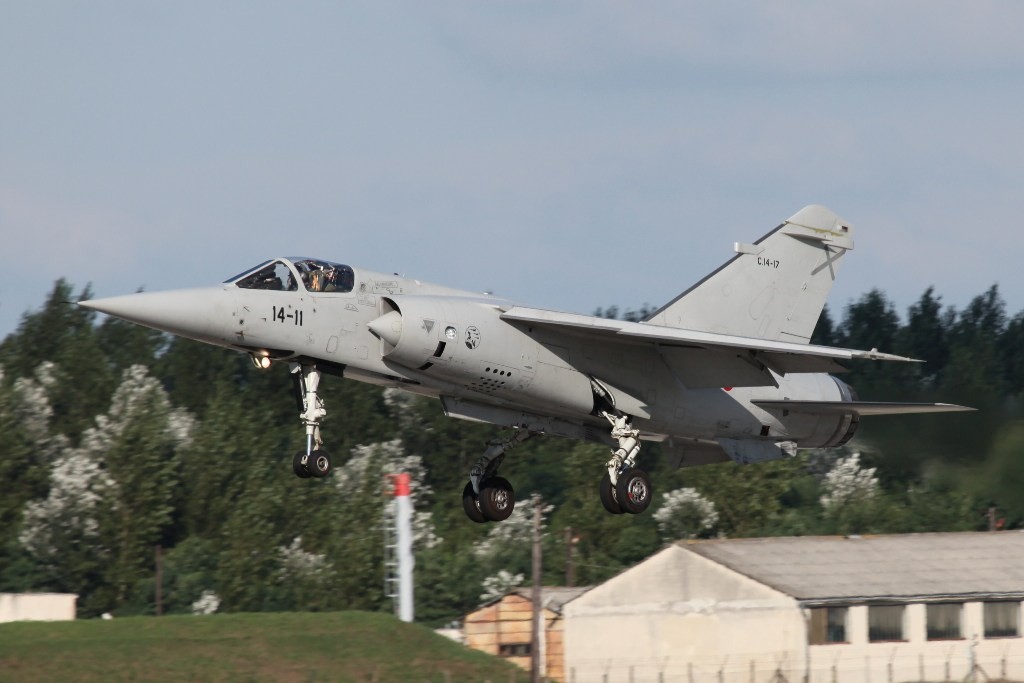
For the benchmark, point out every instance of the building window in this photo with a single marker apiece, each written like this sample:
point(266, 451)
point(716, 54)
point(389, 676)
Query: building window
point(514, 650)
point(885, 622)
point(828, 625)
point(943, 620)
point(1002, 619)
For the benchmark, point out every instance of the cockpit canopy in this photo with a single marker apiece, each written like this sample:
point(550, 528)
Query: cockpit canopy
point(283, 275)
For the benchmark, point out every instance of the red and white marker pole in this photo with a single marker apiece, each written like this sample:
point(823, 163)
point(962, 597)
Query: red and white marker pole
point(406, 561)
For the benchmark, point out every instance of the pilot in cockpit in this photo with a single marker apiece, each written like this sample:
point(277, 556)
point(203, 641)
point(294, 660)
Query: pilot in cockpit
point(331, 280)
point(316, 280)
point(323, 276)
point(337, 279)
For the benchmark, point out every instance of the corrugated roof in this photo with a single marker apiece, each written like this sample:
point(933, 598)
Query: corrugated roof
point(920, 566)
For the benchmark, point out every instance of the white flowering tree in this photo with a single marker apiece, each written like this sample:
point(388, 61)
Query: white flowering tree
point(29, 449)
point(60, 531)
point(497, 585)
point(207, 603)
point(35, 411)
point(112, 497)
point(368, 469)
point(685, 513)
point(847, 484)
point(67, 519)
point(304, 578)
point(851, 499)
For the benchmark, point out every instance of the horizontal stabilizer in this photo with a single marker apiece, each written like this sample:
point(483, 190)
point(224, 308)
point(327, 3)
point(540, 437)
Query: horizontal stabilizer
point(859, 407)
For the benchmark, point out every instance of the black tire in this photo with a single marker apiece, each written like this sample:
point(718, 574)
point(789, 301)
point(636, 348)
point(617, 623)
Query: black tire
point(297, 466)
point(319, 464)
point(497, 499)
point(471, 504)
point(633, 491)
point(608, 495)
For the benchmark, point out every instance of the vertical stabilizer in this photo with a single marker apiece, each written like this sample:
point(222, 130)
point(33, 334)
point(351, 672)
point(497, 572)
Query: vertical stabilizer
point(774, 288)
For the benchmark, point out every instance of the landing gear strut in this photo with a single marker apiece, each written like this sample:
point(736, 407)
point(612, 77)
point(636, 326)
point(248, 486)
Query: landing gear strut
point(313, 462)
point(488, 497)
point(624, 487)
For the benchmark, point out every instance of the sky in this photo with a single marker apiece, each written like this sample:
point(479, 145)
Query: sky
point(568, 155)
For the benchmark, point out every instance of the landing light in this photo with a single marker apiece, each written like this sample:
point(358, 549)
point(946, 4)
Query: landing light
point(261, 362)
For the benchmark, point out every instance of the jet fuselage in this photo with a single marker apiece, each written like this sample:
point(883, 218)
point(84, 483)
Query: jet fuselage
point(454, 345)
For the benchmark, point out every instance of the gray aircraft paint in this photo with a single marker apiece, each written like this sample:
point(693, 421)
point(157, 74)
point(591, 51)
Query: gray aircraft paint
point(706, 374)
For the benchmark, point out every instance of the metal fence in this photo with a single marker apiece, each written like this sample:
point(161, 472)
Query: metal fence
point(959, 663)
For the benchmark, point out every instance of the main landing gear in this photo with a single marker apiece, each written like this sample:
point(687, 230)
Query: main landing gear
point(624, 487)
point(488, 497)
point(312, 462)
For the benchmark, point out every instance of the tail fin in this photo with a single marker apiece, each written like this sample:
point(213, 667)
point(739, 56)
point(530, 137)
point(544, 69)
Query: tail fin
point(772, 289)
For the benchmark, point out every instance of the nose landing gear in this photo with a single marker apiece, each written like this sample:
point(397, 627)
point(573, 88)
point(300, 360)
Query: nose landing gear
point(313, 462)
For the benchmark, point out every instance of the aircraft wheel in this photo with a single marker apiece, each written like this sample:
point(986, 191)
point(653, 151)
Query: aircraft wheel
point(319, 464)
point(608, 499)
point(497, 499)
point(471, 504)
point(297, 466)
point(633, 491)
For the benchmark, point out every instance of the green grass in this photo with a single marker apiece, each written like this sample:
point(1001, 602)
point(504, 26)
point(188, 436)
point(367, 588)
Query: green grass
point(291, 647)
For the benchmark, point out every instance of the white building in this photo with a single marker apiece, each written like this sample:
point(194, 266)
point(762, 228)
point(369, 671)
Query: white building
point(37, 606)
point(882, 609)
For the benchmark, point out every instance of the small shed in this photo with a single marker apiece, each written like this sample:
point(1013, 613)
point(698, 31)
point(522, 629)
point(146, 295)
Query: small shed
point(37, 606)
point(502, 627)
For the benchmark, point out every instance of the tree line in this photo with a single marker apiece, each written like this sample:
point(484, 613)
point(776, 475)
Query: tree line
point(116, 440)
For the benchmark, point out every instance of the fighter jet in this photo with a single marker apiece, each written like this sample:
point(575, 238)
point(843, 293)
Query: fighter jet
point(725, 371)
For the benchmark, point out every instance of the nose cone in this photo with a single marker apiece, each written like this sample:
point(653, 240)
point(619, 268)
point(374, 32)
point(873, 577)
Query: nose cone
point(204, 314)
point(388, 327)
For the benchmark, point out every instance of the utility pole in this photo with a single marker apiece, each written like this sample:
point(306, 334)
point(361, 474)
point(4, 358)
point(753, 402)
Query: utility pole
point(535, 638)
point(159, 581)
point(570, 568)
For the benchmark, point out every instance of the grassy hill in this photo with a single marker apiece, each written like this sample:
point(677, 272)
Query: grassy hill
point(300, 648)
